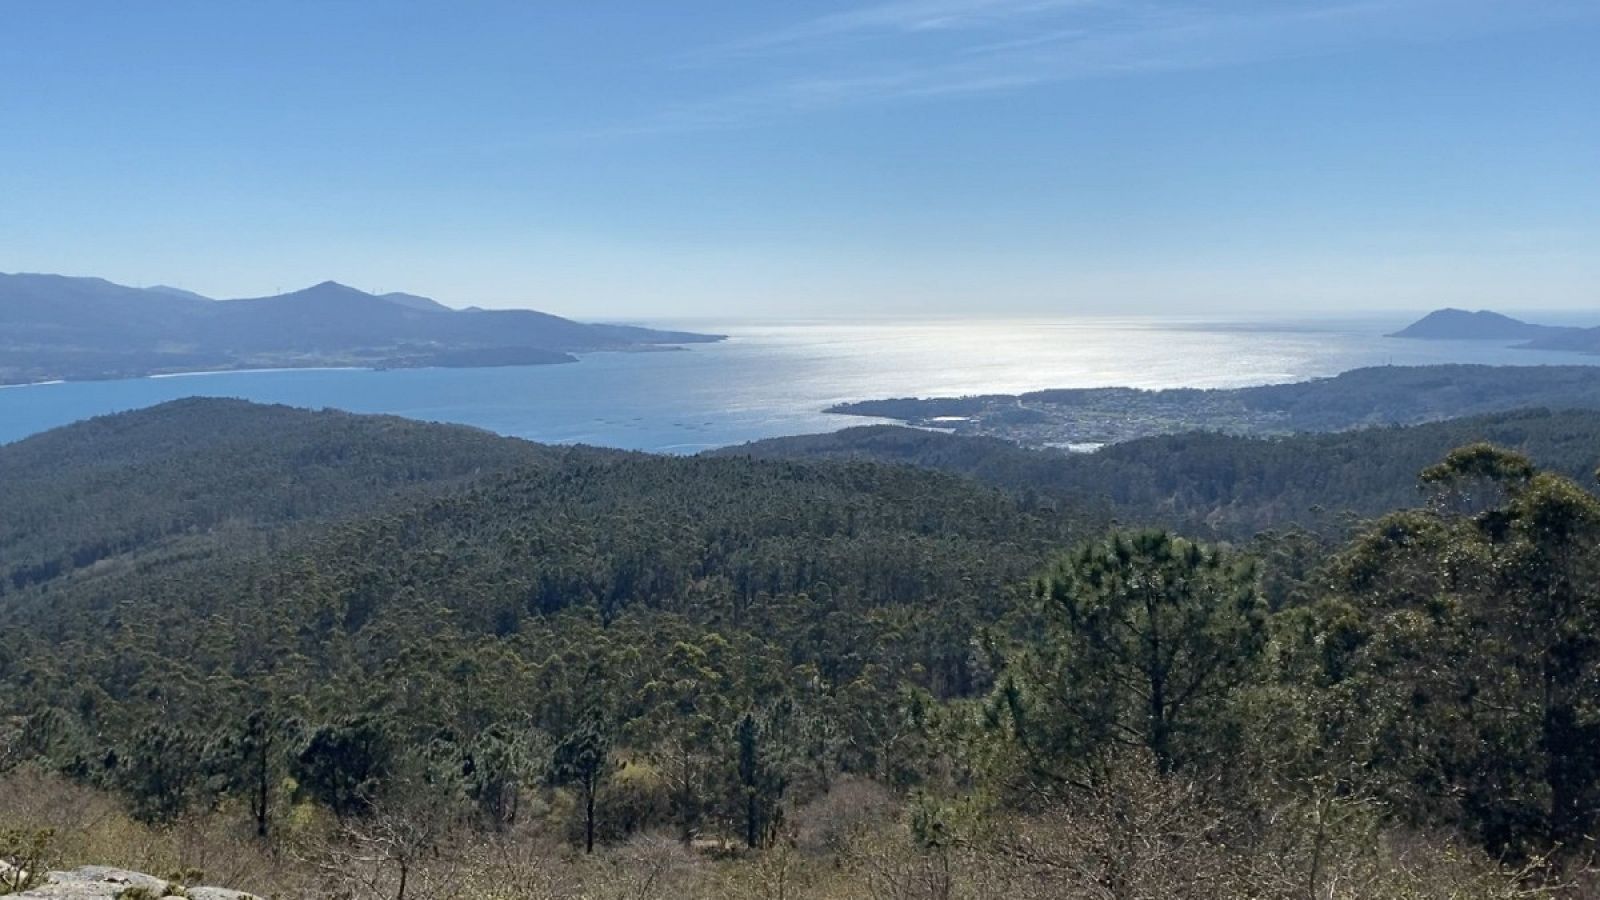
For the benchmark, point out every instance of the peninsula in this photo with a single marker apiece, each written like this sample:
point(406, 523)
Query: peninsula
point(1383, 395)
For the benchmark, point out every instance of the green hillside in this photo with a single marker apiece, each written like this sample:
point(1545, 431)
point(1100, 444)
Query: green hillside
point(350, 653)
point(1217, 484)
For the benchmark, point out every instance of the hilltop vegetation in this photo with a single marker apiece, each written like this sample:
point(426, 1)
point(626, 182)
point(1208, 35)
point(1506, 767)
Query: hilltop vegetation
point(1217, 485)
point(218, 474)
point(431, 662)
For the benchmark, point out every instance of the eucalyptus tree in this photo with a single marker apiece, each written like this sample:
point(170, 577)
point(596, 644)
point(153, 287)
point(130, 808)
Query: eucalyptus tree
point(582, 760)
point(1468, 634)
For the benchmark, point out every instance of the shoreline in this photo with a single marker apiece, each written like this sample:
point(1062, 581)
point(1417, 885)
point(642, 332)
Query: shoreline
point(23, 384)
point(266, 371)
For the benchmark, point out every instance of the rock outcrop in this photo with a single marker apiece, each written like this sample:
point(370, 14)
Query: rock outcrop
point(105, 883)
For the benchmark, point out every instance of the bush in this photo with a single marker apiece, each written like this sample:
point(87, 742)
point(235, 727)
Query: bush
point(635, 800)
point(852, 807)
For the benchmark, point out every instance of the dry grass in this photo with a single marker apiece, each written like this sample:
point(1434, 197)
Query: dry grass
point(1142, 838)
point(91, 827)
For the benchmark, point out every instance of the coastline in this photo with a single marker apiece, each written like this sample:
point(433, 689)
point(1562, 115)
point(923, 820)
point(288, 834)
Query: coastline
point(23, 384)
point(778, 381)
point(264, 371)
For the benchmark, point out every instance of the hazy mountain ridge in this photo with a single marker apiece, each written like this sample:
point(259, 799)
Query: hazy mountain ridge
point(59, 327)
point(177, 292)
point(415, 301)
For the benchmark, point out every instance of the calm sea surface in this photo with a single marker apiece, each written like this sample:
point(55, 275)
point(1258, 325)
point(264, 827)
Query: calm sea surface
point(775, 379)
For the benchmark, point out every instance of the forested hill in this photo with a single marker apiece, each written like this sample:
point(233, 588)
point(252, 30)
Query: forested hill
point(210, 475)
point(218, 472)
point(582, 553)
point(353, 632)
point(1215, 483)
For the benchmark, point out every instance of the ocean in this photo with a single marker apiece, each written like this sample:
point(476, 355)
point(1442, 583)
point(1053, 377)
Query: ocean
point(776, 378)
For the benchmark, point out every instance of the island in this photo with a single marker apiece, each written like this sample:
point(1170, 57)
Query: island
point(1486, 325)
point(1483, 325)
point(55, 327)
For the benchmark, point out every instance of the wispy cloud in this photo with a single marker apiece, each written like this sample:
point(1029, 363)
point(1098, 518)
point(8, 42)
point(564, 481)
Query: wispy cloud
point(903, 17)
point(919, 49)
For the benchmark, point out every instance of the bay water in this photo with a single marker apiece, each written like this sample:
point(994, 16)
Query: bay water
point(776, 378)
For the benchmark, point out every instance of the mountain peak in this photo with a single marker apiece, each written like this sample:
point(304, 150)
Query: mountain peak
point(331, 285)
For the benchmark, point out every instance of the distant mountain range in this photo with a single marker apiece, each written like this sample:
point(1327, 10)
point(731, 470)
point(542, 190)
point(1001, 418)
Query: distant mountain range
point(1486, 325)
point(59, 327)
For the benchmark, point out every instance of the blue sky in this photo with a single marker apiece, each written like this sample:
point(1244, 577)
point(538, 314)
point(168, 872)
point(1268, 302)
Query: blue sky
point(794, 159)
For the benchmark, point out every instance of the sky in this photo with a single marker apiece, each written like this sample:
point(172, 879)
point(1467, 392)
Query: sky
point(660, 160)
